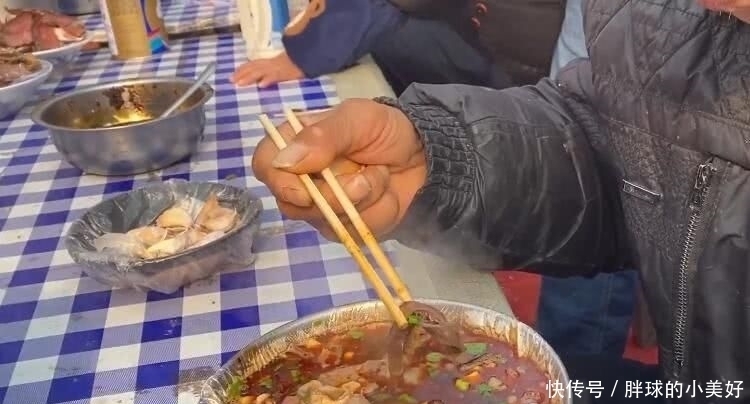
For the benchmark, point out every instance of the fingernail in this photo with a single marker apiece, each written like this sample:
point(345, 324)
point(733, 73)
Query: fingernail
point(290, 156)
point(295, 196)
point(357, 188)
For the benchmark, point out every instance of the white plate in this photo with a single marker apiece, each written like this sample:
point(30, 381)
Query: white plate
point(66, 53)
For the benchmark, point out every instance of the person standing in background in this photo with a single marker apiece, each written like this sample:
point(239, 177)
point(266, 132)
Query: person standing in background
point(424, 41)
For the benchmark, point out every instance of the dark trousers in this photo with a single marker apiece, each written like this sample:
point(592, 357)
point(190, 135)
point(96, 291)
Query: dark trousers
point(432, 52)
point(611, 373)
point(587, 316)
point(586, 320)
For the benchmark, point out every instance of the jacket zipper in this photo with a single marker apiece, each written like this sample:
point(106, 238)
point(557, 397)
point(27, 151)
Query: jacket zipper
point(697, 201)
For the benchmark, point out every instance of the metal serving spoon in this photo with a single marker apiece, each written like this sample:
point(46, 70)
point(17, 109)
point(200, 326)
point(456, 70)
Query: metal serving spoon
point(205, 74)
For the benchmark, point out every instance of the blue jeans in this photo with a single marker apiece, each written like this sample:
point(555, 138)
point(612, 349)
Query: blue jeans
point(612, 374)
point(587, 316)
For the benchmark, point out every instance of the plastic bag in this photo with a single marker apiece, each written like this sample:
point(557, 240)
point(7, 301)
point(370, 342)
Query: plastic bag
point(117, 266)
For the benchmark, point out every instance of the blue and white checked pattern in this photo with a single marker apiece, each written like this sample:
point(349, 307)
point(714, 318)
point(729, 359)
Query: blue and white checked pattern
point(185, 16)
point(64, 337)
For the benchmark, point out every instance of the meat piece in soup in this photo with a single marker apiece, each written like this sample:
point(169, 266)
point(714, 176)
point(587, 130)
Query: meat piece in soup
point(350, 369)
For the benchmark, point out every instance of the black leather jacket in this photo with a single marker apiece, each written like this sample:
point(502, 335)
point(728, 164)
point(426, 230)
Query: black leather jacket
point(638, 156)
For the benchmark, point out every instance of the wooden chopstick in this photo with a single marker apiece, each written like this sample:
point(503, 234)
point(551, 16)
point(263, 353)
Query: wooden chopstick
point(302, 112)
point(367, 270)
point(380, 258)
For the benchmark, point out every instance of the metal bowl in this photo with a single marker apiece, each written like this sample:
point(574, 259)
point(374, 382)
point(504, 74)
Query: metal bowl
point(270, 346)
point(14, 96)
point(96, 130)
point(139, 208)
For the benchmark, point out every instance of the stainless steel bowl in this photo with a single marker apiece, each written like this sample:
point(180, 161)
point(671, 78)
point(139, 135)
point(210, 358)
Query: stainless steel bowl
point(13, 97)
point(108, 129)
point(270, 346)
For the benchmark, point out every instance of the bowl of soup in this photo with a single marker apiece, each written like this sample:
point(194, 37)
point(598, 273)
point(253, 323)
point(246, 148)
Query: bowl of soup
point(115, 128)
point(354, 355)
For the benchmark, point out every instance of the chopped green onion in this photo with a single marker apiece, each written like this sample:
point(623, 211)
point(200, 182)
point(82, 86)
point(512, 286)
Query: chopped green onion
point(296, 375)
point(475, 348)
point(405, 398)
point(356, 334)
point(381, 397)
point(267, 383)
point(484, 389)
point(414, 319)
point(434, 357)
point(235, 388)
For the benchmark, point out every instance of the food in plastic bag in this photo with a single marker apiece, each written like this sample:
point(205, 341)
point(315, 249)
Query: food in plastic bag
point(119, 244)
point(174, 231)
point(110, 240)
point(149, 235)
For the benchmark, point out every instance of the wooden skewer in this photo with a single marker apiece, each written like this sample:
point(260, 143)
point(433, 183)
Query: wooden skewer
point(367, 270)
point(380, 258)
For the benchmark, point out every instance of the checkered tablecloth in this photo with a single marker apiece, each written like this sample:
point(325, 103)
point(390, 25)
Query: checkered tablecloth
point(65, 338)
point(182, 16)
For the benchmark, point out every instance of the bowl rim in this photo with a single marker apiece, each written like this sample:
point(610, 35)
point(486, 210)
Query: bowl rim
point(70, 46)
point(39, 109)
point(42, 73)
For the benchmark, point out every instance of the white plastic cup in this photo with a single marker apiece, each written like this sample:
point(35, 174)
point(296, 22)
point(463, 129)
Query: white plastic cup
point(256, 23)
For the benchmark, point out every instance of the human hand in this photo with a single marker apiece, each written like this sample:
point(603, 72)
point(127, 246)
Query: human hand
point(266, 72)
point(738, 8)
point(389, 164)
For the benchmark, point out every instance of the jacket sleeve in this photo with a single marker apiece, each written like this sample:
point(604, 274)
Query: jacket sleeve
point(346, 31)
point(512, 181)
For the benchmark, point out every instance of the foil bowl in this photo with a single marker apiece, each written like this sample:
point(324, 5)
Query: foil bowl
point(270, 346)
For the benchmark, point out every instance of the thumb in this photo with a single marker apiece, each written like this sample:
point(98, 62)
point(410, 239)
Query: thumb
point(317, 146)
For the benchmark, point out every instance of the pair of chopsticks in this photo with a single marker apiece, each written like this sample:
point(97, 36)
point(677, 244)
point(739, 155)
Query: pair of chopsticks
point(368, 271)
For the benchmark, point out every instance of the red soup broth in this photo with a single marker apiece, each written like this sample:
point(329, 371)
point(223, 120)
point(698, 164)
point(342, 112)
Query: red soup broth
point(495, 375)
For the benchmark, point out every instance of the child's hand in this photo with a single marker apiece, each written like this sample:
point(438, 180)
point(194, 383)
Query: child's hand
point(265, 72)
